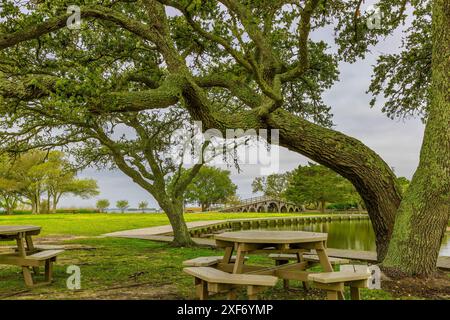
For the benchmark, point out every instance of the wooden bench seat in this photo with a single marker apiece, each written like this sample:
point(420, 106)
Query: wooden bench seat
point(306, 257)
point(334, 282)
point(208, 279)
point(206, 261)
point(45, 255)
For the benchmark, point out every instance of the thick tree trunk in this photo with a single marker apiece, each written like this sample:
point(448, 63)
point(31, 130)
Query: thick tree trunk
point(48, 203)
point(38, 202)
point(322, 206)
point(34, 205)
point(371, 176)
point(174, 211)
point(55, 203)
point(424, 213)
point(9, 210)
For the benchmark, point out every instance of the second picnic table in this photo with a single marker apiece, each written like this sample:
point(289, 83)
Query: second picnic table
point(284, 242)
point(27, 256)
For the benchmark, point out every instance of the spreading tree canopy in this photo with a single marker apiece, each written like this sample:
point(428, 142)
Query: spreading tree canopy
point(231, 64)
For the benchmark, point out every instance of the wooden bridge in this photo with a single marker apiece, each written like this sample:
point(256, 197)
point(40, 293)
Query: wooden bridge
point(258, 204)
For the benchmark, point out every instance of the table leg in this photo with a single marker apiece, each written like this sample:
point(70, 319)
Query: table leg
point(326, 265)
point(201, 289)
point(300, 259)
point(48, 270)
point(20, 246)
point(239, 263)
point(354, 293)
point(30, 247)
point(332, 295)
point(22, 253)
point(228, 254)
point(27, 276)
point(285, 281)
point(323, 257)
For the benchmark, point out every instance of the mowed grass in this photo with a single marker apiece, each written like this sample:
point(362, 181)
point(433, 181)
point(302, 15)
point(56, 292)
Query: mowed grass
point(128, 268)
point(95, 224)
point(137, 269)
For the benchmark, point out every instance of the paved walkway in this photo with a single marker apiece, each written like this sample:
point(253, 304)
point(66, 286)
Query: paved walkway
point(160, 230)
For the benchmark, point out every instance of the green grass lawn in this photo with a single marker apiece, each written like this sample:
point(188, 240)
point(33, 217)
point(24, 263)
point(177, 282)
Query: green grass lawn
point(95, 224)
point(135, 269)
point(127, 268)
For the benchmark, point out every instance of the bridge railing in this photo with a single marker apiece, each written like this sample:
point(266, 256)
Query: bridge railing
point(244, 202)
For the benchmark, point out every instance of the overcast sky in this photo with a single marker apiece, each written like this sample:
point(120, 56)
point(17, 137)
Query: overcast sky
point(396, 141)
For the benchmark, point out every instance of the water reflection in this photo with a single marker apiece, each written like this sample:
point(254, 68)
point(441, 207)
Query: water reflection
point(353, 234)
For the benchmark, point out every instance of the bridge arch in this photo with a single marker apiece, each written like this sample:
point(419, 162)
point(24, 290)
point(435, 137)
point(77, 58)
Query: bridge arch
point(273, 207)
point(262, 208)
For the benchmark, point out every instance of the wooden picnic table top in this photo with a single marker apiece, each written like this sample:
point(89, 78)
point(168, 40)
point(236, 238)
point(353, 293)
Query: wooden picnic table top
point(275, 237)
point(14, 230)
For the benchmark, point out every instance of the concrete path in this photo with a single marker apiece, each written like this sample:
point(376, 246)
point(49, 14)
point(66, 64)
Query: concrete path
point(160, 230)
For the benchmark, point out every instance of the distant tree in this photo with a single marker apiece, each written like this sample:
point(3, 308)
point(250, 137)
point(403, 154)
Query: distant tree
point(102, 204)
point(122, 205)
point(9, 194)
point(9, 187)
point(273, 185)
point(36, 173)
point(316, 184)
point(30, 172)
point(143, 205)
point(211, 185)
point(61, 180)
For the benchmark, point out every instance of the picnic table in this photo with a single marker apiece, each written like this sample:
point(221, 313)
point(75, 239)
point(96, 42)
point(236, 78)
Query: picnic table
point(26, 255)
point(219, 274)
point(289, 242)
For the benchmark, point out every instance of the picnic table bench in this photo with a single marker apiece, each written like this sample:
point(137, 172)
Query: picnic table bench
point(333, 283)
point(28, 256)
point(209, 279)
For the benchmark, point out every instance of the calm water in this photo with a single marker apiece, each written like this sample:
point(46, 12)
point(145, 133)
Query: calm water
point(353, 234)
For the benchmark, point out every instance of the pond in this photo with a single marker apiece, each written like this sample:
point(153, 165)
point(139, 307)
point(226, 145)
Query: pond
point(352, 234)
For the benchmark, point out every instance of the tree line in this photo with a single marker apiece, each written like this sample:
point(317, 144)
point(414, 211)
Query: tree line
point(39, 179)
point(314, 186)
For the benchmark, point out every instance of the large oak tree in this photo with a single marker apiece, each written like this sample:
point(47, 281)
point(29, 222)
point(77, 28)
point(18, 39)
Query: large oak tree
point(231, 64)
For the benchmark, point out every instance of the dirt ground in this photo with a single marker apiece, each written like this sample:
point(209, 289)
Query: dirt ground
point(437, 287)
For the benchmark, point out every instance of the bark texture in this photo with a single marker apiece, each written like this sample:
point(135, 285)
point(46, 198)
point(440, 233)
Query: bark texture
point(371, 176)
point(425, 211)
point(174, 211)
